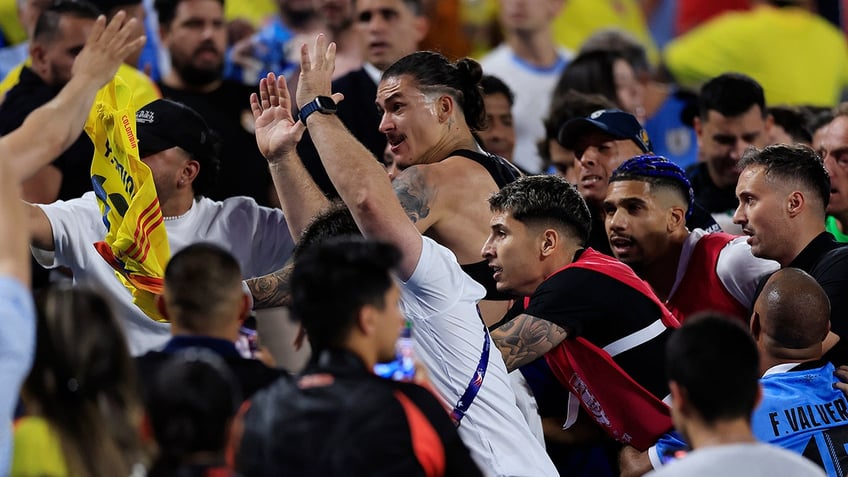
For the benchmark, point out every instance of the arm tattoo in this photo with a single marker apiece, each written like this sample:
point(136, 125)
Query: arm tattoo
point(526, 338)
point(271, 290)
point(414, 193)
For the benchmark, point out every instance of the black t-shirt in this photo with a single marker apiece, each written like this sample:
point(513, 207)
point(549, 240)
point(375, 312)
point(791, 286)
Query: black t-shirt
point(602, 310)
point(826, 260)
point(339, 419)
point(75, 163)
point(707, 194)
point(227, 111)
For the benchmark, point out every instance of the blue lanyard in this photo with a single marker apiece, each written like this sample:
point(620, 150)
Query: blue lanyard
point(473, 388)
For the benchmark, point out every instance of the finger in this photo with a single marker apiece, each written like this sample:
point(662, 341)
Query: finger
point(298, 129)
point(285, 99)
point(320, 50)
point(305, 62)
point(96, 31)
point(273, 92)
point(114, 25)
point(254, 106)
point(330, 56)
point(263, 94)
point(121, 37)
point(132, 47)
point(338, 97)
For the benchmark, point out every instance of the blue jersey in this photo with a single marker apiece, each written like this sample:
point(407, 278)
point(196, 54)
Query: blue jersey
point(800, 411)
point(803, 412)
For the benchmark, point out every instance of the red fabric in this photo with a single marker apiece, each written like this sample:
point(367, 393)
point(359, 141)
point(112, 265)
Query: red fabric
point(426, 444)
point(691, 13)
point(700, 289)
point(622, 407)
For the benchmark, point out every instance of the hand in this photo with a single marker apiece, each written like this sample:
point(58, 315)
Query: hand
point(316, 71)
point(842, 374)
point(277, 133)
point(106, 48)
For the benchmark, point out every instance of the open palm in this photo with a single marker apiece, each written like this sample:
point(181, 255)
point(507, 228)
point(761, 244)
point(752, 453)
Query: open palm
point(277, 133)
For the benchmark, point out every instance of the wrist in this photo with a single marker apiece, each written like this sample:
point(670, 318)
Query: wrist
point(320, 104)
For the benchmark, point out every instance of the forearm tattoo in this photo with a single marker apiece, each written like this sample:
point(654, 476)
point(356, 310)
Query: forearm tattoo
point(271, 290)
point(526, 338)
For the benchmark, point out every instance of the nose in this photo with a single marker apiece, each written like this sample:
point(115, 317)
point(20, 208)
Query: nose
point(376, 22)
point(739, 216)
point(739, 149)
point(585, 158)
point(488, 250)
point(614, 220)
point(385, 124)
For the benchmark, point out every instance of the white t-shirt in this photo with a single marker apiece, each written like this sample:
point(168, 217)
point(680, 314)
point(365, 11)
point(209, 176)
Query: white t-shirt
point(441, 302)
point(533, 89)
point(257, 236)
point(740, 460)
point(737, 269)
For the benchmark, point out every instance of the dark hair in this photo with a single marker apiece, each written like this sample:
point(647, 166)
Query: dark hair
point(493, 85)
point(818, 117)
point(357, 272)
point(84, 382)
point(47, 26)
point(715, 360)
point(731, 95)
point(565, 106)
point(659, 172)
point(166, 10)
point(190, 405)
point(336, 221)
point(545, 199)
point(794, 121)
point(591, 72)
point(415, 6)
point(434, 72)
point(201, 281)
point(789, 163)
point(621, 42)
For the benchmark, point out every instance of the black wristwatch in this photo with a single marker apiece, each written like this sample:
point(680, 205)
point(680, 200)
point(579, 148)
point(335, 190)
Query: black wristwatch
point(322, 104)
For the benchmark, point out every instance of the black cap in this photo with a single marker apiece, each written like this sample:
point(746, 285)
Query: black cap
point(614, 122)
point(106, 6)
point(163, 124)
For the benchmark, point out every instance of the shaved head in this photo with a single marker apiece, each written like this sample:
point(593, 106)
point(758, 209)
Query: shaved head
point(794, 311)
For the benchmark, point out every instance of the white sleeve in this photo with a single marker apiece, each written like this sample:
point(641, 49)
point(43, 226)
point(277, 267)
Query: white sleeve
point(76, 223)
point(438, 283)
point(258, 235)
point(740, 271)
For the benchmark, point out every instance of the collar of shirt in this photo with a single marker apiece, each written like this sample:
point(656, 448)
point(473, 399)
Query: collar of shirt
point(372, 72)
point(220, 346)
point(811, 254)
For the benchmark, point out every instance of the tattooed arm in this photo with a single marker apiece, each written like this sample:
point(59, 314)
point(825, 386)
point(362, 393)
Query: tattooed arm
point(416, 194)
point(271, 290)
point(526, 338)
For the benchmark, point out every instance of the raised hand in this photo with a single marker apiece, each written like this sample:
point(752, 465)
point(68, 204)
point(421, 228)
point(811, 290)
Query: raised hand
point(106, 48)
point(277, 133)
point(316, 71)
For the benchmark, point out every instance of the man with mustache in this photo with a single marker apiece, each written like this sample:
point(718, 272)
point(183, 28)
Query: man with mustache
point(646, 209)
point(783, 193)
point(194, 33)
point(832, 145)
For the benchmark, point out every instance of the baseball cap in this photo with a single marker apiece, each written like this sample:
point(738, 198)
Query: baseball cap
point(106, 6)
point(163, 124)
point(614, 122)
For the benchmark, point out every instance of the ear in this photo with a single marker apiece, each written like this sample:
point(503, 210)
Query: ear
point(679, 397)
point(244, 307)
point(756, 326)
point(189, 172)
point(367, 322)
point(795, 203)
point(769, 123)
point(38, 53)
point(698, 126)
point(164, 35)
point(160, 306)
point(445, 106)
point(676, 218)
point(549, 242)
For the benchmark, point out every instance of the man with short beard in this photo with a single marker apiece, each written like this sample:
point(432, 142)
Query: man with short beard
point(194, 32)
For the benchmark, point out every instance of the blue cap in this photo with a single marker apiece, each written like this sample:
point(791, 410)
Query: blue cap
point(614, 122)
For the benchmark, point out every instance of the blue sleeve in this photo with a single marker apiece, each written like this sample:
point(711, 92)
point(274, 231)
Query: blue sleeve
point(669, 448)
point(17, 347)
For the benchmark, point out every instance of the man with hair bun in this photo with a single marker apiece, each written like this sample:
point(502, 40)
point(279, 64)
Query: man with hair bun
point(648, 203)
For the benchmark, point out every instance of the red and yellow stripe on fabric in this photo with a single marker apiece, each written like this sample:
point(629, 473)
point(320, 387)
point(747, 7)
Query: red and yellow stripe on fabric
point(136, 243)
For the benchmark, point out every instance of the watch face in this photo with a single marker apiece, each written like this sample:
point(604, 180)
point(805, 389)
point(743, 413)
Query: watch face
point(325, 104)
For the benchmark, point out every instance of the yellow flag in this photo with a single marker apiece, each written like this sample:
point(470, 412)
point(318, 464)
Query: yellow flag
point(136, 243)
